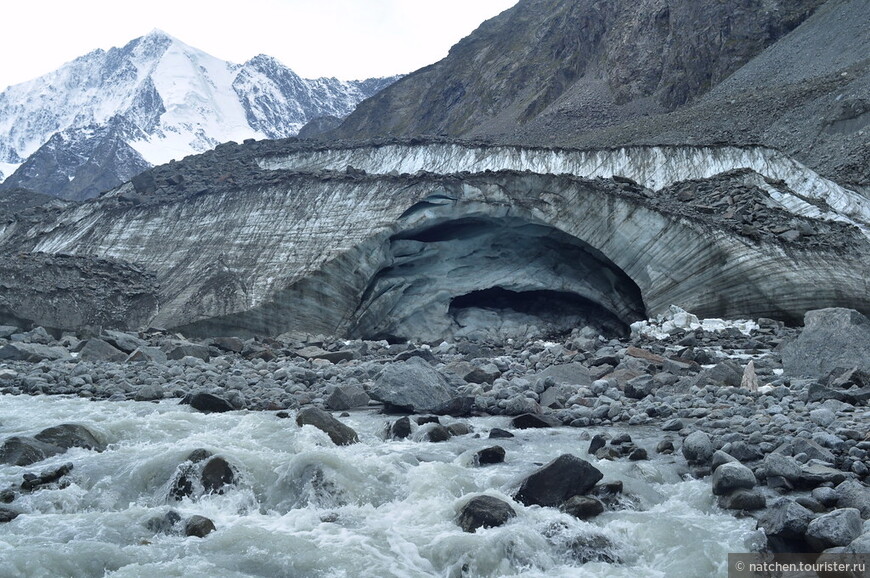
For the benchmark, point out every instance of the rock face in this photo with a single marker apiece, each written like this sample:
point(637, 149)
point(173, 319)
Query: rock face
point(432, 256)
point(832, 339)
point(583, 73)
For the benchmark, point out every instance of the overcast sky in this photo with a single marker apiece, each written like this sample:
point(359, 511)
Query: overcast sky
point(348, 39)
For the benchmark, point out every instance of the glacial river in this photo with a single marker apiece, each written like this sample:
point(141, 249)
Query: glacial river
point(304, 507)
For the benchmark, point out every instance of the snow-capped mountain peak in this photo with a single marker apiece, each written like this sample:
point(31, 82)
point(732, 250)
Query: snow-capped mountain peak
point(167, 99)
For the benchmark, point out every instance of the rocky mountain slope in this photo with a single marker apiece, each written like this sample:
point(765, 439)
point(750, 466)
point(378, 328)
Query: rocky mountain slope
point(108, 115)
point(793, 76)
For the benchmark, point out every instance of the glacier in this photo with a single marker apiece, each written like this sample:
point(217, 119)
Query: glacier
point(267, 237)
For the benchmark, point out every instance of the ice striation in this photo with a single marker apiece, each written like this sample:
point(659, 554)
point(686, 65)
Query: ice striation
point(484, 254)
point(653, 167)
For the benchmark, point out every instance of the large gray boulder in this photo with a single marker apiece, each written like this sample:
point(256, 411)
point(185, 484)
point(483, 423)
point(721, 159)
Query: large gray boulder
point(833, 338)
point(732, 476)
point(837, 528)
point(347, 397)
point(854, 494)
point(412, 385)
point(339, 433)
point(99, 350)
point(32, 352)
point(785, 522)
point(698, 448)
point(126, 342)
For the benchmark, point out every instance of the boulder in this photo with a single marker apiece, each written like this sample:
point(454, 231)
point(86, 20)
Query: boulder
point(837, 528)
point(832, 339)
point(498, 433)
point(23, 451)
point(413, 386)
point(163, 524)
point(7, 515)
point(229, 344)
point(346, 397)
point(785, 522)
point(198, 526)
point(597, 442)
point(438, 433)
point(860, 545)
point(99, 350)
point(189, 350)
point(484, 512)
point(70, 435)
point(583, 507)
point(339, 433)
point(534, 421)
point(640, 386)
point(34, 481)
point(573, 373)
point(7, 331)
point(776, 464)
point(217, 474)
point(491, 455)
point(208, 403)
point(562, 478)
point(32, 352)
point(698, 448)
point(401, 428)
point(126, 342)
point(727, 372)
point(732, 476)
point(145, 353)
point(854, 494)
point(743, 499)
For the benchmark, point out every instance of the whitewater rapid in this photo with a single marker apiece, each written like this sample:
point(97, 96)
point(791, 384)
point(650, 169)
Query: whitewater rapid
point(378, 508)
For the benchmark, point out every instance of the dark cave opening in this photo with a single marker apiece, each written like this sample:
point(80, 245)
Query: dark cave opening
point(488, 278)
point(561, 311)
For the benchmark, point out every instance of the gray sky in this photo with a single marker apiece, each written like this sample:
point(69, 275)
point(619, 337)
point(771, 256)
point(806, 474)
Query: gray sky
point(349, 39)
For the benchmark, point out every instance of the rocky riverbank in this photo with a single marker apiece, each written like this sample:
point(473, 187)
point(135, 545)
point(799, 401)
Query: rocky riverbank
point(776, 416)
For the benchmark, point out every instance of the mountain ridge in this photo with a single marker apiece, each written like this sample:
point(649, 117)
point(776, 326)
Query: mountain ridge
point(162, 99)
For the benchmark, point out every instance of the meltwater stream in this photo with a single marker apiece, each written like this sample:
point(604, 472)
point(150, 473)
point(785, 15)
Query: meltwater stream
point(378, 508)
